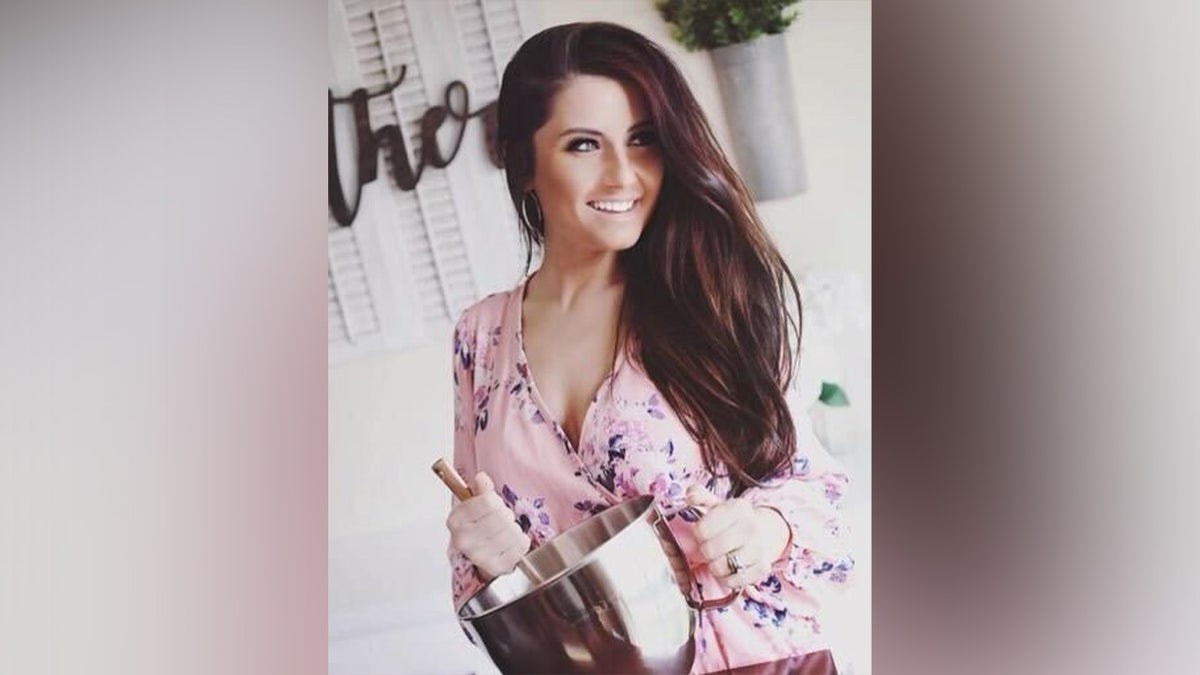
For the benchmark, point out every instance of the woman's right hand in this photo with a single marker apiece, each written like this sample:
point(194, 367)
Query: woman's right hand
point(485, 530)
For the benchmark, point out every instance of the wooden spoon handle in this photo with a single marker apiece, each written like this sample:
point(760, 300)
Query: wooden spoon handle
point(452, 479)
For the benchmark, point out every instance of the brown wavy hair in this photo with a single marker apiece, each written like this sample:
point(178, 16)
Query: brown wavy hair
point(707, 291)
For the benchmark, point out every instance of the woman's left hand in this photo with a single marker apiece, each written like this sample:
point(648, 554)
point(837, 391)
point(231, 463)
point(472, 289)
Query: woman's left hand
point(735, 531)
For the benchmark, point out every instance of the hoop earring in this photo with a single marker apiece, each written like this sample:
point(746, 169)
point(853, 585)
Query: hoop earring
point(525, 215)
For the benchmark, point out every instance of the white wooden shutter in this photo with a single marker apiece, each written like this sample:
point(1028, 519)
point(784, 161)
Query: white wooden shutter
point(412, 261)
point(490, 31)
point(352, 313)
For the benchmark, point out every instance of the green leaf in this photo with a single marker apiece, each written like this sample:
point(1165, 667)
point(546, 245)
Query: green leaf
point(833, 396)
point(708, 24)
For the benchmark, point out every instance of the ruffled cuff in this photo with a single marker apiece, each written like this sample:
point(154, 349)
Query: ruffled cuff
point(464, 578)
point(817, 552)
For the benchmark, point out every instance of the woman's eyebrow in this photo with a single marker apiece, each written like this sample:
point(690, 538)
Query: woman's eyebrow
point(580, 130)
point(593, 132)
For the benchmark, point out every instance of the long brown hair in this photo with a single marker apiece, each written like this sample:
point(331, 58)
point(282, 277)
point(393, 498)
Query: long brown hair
point(706, 289)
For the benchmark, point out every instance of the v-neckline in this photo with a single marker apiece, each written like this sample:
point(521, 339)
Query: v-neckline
point(535, 394)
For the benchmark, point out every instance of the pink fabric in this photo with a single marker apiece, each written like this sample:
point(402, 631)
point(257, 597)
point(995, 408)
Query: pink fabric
point(632, 444)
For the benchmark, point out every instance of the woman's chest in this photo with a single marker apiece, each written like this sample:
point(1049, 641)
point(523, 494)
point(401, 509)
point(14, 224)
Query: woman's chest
point(570, 357)
point(630, 442)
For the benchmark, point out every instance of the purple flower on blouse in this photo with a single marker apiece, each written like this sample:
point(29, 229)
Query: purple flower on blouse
point(772, 584)
point(510, 497)
point(837, 571)
point(531, 514)
point(483, 395)
point(521, 389)
point(763, 612)
point(462, 351)
point(590, 507)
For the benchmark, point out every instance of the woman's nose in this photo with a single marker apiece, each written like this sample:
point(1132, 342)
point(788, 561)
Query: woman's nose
point(620, 170)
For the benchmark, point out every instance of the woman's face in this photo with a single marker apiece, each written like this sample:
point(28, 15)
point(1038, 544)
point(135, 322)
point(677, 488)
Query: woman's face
point(597, 166)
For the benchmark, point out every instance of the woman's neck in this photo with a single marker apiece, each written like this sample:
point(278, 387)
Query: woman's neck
point(563, 283)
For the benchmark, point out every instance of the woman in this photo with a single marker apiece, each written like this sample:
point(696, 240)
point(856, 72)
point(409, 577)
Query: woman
point(650, 353)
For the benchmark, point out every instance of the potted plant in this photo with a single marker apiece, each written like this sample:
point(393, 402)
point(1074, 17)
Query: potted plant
point(749, 52)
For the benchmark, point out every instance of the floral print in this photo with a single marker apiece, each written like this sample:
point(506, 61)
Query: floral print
point(625, 459)
point(531, 515)
point(462, 573)
point(522, 395)
point(590, 507)
point(632, 444)
point(483, 396)
point(772, 613)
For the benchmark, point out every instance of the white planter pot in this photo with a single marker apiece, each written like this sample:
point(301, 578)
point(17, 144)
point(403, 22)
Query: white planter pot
point(836, 428)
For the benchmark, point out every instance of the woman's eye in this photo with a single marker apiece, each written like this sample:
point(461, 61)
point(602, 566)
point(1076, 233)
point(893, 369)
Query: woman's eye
point(582, 145)
point(644, 138)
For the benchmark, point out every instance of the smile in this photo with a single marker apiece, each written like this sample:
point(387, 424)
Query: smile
point(614, 206)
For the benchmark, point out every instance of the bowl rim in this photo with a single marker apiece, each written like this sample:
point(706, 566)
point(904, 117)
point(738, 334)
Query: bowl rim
point(650, 507)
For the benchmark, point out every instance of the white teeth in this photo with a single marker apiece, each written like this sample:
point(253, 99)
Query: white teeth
point(612, 207)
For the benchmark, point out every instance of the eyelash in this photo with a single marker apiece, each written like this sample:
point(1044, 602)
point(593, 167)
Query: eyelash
point(640, 139)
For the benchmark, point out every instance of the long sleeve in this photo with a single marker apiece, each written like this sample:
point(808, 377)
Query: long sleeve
point(465, 579)
point(807, 495)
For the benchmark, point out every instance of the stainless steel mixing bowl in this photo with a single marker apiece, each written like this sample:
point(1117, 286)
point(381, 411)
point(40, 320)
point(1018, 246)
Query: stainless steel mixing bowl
point(609, 595)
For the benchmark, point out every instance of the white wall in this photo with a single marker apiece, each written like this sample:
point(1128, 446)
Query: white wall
point(390, 416)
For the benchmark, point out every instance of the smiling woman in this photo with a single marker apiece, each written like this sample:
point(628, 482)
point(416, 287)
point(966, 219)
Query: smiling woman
point(651, 353)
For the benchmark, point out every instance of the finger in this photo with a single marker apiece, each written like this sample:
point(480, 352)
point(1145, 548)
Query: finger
point(465, 513)
point(505, 561)
point(515, 552)
point(477, 515)
point(747, 577)
point(483, 484)
point(479, 507)
point(728, 582)
point(698, 495)
point(718, 520)
point(496, 524)
point(491, 565)
point(484, 541)
point(748, 574)
point(714, 551)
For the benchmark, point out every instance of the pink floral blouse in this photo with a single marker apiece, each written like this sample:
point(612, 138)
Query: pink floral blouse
point(632, 444)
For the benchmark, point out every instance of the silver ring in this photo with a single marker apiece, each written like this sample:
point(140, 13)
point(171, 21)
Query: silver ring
point(735, 565)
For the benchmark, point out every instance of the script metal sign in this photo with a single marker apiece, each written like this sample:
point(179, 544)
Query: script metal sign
point(371, 140)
